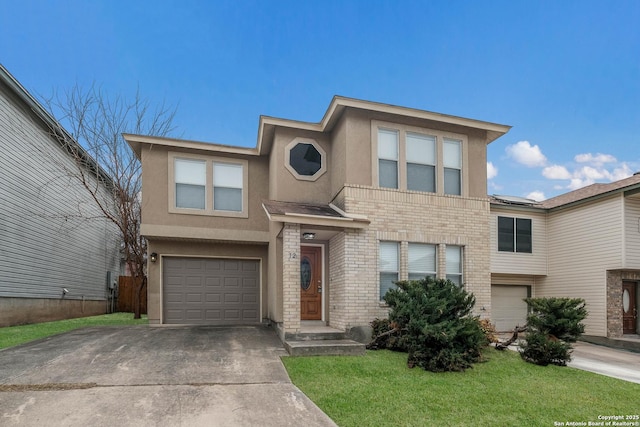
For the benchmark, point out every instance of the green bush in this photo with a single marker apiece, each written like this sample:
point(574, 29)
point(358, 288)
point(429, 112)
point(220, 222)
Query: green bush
point(552, 325)
point(434, 324)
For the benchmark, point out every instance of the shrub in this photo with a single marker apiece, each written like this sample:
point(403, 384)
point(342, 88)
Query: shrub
point(436, 328)
point(552, 325)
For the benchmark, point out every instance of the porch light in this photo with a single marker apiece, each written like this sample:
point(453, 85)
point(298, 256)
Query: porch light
point(154, 257)
point(308, 236)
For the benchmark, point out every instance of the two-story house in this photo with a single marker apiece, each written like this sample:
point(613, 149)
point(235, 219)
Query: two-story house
point(314, 224)
point(582, 244)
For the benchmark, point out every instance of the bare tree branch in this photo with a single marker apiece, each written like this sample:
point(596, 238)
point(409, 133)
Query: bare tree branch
point(90, 130)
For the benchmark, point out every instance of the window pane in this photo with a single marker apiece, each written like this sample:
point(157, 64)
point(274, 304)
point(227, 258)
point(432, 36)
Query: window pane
point(227, 199)
point(523, 235)
point(227, 175)
point(454, 264)
point(305, 159)
point(387, 144)
point(452, 154)
point(452, 183)
point(387, 282)
point(389, 256)
point(421, 177)
point(421, 149)
point(190, 196)
point(422, 258)
point(454, 260)
point(190, 171)
point(505, 234)
point(388, 173)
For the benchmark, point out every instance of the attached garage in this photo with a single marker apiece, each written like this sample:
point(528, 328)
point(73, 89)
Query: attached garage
point(211, 291)
point(507, 306)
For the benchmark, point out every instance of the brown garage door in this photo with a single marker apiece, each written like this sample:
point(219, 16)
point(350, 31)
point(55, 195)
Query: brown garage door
point(211, 291)
point(508, 309)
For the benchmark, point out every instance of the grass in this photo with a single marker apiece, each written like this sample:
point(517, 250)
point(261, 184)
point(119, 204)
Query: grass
point(379, 390)
point(15, 335)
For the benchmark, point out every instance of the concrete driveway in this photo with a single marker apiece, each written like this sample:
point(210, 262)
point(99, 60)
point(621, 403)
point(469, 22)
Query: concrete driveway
point(168, 376)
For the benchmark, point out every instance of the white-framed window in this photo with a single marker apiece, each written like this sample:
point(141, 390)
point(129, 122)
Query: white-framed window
point(454, 264)
point(418, 159)
point(388, 158)
point(452, 161)
point(514, 235)
point(421, 162)
point(389, 266)
point(227, 187)
point(190, 183)
point(207, 185)
point(422, 261)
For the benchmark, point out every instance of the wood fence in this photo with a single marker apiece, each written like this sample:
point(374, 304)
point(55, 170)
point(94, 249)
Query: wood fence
point(126, 289)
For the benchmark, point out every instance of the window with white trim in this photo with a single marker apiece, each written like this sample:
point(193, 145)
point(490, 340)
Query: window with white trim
point(190, 183)
point(514, 234)
point(227, 187)
point(388, 158)
point(454, 264)
point(207, 185)
point(389, 266)
point(452, 161)
point(421, 162)
point(422, 261)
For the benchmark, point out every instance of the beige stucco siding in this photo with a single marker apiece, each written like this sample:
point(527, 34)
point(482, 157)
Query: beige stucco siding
point(156, 180)
point(534, 263)
point(583, 244)
point(283, 185)
point(632, 232)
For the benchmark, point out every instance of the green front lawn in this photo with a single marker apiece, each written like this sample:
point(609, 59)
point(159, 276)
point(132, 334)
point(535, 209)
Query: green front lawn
point(379, 390)
point(14, 335)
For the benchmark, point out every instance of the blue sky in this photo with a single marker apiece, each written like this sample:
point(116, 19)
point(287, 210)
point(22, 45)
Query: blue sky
point(564, 74)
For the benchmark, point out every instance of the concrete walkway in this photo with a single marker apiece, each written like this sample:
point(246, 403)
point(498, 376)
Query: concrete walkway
point(126, 376)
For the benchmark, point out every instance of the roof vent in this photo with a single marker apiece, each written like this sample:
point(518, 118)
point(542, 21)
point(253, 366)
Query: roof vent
point(636, 173)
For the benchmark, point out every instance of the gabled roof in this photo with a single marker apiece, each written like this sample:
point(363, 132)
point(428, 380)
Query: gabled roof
point(592, 191)
point(340, 103)
point(268, 125)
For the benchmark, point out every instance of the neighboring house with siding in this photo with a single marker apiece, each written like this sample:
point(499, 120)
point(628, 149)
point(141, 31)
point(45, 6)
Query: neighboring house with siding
point(582, 244)
point(46, 247)
point(313, 225)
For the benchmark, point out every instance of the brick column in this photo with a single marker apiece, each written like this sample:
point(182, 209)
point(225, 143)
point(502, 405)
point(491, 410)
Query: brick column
point(291, 278)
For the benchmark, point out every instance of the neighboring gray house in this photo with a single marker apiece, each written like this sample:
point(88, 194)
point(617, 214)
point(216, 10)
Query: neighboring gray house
point(53, 263)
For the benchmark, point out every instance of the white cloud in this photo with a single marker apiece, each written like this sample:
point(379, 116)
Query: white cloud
point(598, 160)
point(526, 154)
point(492, 171)
point(622, 172)
point(538, 196)
point(591, 173)
point(579, 183)
point(556, 172)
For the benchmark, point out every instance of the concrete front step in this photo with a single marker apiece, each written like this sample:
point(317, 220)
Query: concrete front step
point(326, 347)
point(318, 336)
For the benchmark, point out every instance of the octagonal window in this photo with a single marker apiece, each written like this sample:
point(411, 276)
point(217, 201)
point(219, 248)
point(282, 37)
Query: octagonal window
point(305, 159)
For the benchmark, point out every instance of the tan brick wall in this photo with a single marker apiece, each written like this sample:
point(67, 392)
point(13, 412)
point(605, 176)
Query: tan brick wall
point(614, 299)
point(404, 216)
point(291, 278)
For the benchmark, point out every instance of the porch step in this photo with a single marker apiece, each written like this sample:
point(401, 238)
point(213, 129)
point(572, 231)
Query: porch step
point(324, 347)
point(331, 335)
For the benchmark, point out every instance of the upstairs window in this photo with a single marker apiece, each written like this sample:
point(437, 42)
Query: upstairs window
point(514, 234)
point(227, 187)
point(190, 179)
point(388, 158)
point(452, 167)
point(421, 162)
point(422, 261)
point(389, 267)
point(207, 185)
